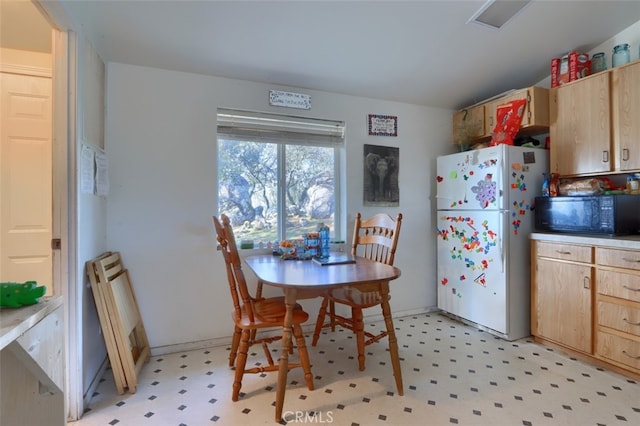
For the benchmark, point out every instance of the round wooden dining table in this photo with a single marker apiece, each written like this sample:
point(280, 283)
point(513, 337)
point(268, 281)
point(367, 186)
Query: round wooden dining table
point(304, 279)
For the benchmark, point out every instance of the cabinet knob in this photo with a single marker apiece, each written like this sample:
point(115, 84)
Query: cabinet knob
point(605, 156)
point(586, 282)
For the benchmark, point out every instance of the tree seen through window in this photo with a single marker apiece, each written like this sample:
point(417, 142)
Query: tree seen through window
point(275, 191)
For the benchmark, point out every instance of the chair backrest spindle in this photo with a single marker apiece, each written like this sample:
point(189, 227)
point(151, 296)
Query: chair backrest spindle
point(376, 238)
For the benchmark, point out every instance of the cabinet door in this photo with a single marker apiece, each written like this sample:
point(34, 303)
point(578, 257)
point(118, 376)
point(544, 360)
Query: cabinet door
point(535, 118)
point(561, 309)
point(580, 126)
point(490, 110)
point(536, 114)
point(468, 125)
point(626, 110)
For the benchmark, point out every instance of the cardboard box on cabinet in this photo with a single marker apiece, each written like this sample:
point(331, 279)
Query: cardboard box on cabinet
point(570, 67)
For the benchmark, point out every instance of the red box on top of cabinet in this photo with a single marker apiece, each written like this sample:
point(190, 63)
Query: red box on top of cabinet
point(555, 72)
point(570, 67)
point(579, 65)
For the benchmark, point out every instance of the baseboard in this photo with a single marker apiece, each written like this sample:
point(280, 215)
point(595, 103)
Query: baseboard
point(191, 346)
point(401, 314)
point(307, 328)
point(86, 398)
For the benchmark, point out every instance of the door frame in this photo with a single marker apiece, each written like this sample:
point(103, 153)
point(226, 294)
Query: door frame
point(65, 214)
point(65, 282)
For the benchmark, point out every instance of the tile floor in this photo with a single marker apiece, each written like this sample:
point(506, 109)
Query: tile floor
point(453, 374)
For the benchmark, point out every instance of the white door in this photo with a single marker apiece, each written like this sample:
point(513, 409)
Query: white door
point(26, 179)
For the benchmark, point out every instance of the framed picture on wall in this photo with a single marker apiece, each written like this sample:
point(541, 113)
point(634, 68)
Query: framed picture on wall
point(382, 125)
point(381, 170)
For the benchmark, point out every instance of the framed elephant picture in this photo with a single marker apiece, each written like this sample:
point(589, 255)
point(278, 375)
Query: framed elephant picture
point(381, 170)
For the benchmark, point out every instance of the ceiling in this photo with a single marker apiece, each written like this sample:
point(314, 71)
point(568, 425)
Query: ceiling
point(419, 52)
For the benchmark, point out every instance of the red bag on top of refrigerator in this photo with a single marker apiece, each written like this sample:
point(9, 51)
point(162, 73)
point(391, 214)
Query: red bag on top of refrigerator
point(508, 120)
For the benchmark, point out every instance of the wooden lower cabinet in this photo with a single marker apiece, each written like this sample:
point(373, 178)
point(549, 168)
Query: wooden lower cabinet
point(561, 300)
point(619, 350)
point(618, 307)
point(586, 299)
point(32, 367)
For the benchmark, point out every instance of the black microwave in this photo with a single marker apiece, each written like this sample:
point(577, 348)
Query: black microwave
point(602, 214)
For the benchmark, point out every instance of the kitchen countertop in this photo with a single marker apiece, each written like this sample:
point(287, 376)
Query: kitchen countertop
point(32, 383)
point(14, 322)
point(620, 241)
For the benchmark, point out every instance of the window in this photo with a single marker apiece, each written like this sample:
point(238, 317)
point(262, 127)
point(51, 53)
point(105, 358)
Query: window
point(278, 176)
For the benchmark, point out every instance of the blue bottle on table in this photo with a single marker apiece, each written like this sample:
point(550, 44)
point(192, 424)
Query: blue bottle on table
point(323, 232)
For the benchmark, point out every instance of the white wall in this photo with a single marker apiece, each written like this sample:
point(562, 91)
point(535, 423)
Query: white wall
point(630, 35)
point(160, 140)
point(92, 210)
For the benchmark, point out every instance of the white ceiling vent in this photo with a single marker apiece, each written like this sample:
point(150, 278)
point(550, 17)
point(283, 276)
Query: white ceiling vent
point(495, 14)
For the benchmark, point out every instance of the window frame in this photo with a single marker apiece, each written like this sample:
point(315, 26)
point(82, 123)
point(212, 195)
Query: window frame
point(335, 141)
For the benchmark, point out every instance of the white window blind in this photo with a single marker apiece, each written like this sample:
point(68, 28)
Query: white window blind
point(252, 126)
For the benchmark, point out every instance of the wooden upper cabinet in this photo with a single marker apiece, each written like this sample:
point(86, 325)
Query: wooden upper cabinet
point(535, 118)
point(468, 125)
point(594, 123)
point(476, 123)
point(626, 116)
point(581, 126)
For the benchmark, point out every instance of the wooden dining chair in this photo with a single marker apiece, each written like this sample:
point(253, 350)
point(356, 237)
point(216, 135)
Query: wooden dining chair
point(375, 238)
point(253, 314)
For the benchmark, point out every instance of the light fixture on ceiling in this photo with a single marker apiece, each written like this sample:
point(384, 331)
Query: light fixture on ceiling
point(495, 14)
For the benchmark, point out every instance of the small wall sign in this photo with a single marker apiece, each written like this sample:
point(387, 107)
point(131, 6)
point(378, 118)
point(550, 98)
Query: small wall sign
point(382, 125)
point(289, 99)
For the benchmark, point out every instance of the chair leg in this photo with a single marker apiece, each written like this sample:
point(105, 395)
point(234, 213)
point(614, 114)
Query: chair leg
point(267, 353)
point(332, 315)
point(391, 336)
point(303, 353)
point(234, 345)
point(358, 328)
point(320, 321)
point(243, 348)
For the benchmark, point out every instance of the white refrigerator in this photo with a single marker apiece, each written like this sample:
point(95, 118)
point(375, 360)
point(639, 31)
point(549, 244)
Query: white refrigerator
point(485, 201)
